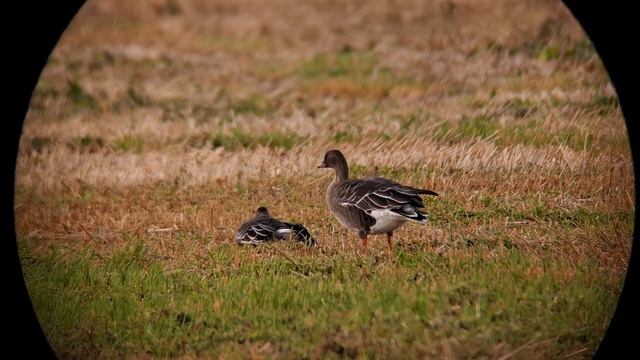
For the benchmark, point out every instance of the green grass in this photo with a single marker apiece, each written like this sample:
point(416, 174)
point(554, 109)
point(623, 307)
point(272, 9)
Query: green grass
point(523, 132)
point(444, 211)
point(79, 97)
point(86, 143)
point(351, 73)
point(581, 50)
point(548, 53)
point(603, 105)
point(178, 108)
point(129, 143)
point(40, 143)
point(239, 139)
point(254, 104)
point(342, 63)
point(477, 127)
point(349, 136)
point(543, 49)
point(128, 303)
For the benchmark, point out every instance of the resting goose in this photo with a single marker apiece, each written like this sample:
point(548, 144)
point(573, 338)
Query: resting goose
point(371, 205)
point(265, 228)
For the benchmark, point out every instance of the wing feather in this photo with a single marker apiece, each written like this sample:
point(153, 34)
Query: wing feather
point(264, 228)
point(375, 193)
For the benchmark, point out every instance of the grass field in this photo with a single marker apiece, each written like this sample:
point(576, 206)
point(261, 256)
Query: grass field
point(158, 127)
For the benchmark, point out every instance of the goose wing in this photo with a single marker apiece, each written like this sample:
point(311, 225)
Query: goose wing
point(299, 230)
point(262, 228)
point(256, 230)
point(375, 193)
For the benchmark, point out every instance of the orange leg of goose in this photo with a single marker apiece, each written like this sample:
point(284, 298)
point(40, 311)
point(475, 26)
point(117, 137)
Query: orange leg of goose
point(389, 235)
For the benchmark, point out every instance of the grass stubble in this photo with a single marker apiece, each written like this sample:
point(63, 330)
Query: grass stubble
point(157, 128)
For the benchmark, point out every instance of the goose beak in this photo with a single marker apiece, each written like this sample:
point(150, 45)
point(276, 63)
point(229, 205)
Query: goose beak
point(322, 165)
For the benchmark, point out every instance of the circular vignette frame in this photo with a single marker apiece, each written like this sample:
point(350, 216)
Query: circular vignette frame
point(39, 27)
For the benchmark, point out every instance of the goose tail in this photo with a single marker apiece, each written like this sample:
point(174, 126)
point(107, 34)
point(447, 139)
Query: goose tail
point(412, 213)
point(302, 234)
point(427, 192)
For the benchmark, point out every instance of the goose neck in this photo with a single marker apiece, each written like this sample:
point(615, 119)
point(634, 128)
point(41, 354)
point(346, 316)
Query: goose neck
point(342, 173)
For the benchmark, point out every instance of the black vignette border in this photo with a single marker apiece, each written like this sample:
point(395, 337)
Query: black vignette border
point(38, 26)
point(32, 34)
point(613, 32)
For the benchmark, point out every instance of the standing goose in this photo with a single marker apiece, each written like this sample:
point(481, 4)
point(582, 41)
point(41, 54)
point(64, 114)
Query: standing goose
point(265, 228)
point(371, 205)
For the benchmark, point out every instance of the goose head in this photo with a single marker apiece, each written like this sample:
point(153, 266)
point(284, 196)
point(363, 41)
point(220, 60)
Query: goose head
point(262, 211)
point(335, 160)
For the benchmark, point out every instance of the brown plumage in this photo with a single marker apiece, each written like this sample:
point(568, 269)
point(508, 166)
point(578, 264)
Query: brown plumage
point(263, 227)
point(371, 205)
